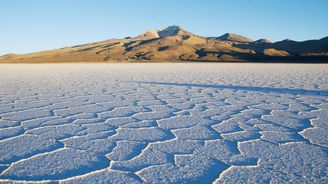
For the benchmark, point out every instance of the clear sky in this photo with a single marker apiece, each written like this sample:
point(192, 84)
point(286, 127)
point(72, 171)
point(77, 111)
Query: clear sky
point(32, 25)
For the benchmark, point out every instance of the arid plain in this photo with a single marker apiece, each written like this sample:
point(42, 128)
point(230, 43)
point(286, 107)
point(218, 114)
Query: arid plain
point(164, 123)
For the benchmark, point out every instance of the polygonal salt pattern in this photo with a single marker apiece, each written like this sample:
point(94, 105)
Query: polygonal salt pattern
point(164, 123)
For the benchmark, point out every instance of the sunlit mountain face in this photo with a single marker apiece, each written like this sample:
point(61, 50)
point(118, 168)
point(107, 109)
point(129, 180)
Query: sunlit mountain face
point(176, 44)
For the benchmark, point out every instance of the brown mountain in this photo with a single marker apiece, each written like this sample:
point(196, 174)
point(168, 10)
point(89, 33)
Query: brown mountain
point(176, 44)
point(234, 38)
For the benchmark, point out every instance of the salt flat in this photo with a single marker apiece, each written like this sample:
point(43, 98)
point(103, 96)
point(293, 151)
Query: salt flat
point(164, 123)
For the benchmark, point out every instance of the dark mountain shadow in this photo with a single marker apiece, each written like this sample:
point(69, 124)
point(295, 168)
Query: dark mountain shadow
point(129, 48)
point(295, 48)
point(86, 49)
point(245, 88)
point(259, 57)
point(160, 49)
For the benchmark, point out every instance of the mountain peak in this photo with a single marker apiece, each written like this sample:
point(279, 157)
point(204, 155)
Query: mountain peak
point(263, 40)
point(150, 34)
point(287, 40)
point(173, 28)
point(176, 44)
point(234, 38)
point(172, 31)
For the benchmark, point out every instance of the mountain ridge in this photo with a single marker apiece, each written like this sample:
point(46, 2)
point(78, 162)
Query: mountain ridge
point(175, 44)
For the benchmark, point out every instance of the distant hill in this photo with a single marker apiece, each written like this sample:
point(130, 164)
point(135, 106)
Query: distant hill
point(234, 38)
point(175, 44)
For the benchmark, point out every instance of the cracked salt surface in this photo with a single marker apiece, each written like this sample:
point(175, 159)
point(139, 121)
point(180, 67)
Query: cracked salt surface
point(164, 123)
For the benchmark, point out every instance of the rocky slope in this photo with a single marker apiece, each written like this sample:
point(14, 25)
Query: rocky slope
point(176, 44)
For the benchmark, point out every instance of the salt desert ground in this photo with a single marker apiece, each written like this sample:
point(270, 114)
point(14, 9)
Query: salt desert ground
point(164, 123)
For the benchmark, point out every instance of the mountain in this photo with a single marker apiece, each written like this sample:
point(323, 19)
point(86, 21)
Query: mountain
point(175, 44)
point(305, 48)
point(263, 40)
point(234, 38)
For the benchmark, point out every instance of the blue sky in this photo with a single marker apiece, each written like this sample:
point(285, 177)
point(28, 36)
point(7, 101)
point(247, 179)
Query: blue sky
point(32, 25)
